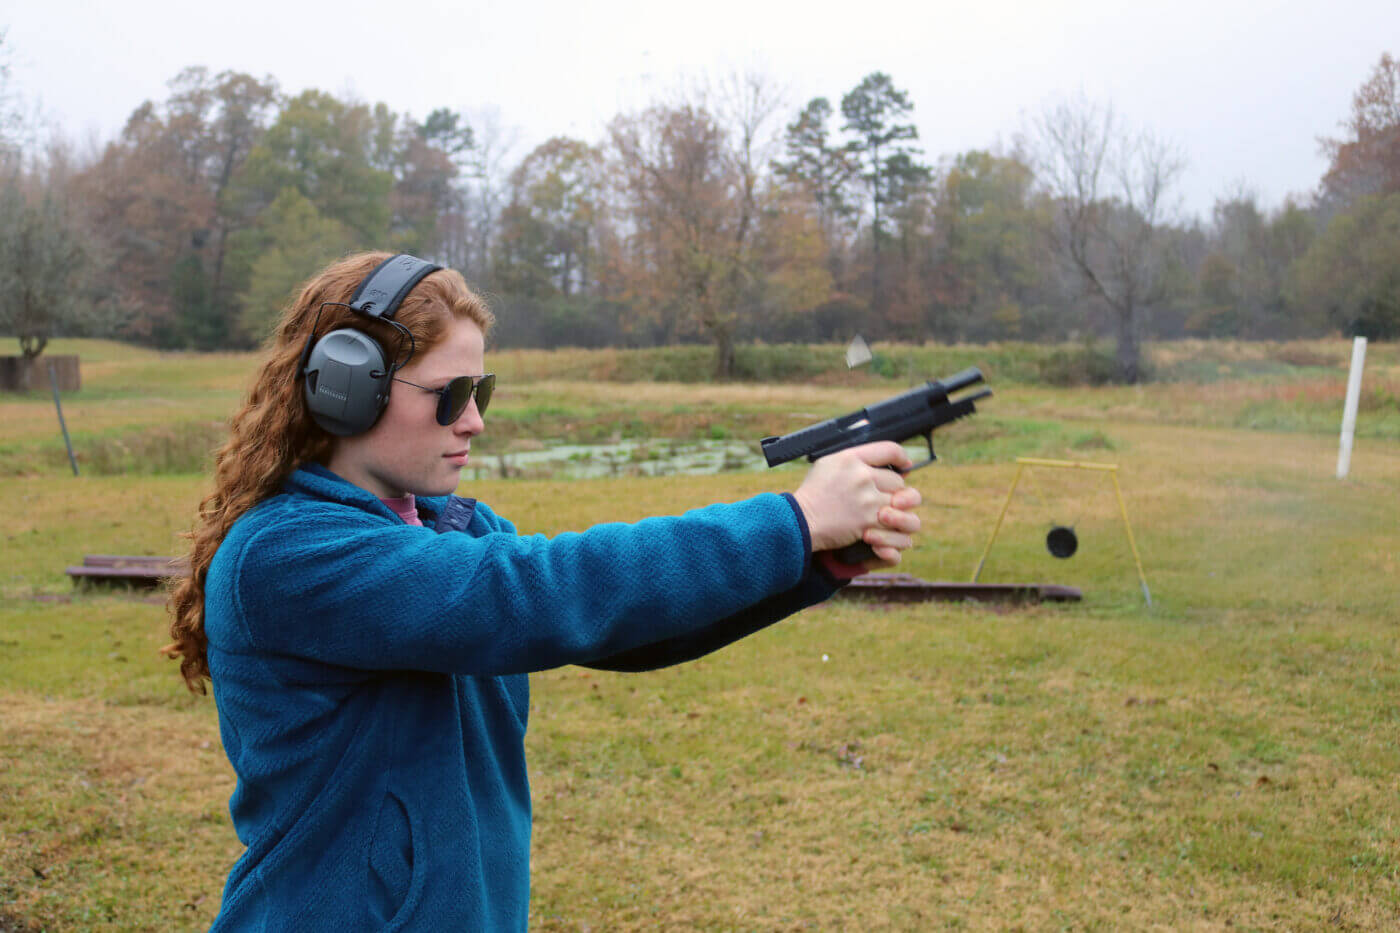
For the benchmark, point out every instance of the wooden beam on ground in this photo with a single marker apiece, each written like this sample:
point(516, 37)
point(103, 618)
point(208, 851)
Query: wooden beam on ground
point(904, 588)
point(132, 570)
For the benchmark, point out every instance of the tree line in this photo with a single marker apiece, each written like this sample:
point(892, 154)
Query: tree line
point(718, 214)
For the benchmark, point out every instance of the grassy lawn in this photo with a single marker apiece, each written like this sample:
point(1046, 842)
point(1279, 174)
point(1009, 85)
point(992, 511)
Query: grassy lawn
point(1227, 759)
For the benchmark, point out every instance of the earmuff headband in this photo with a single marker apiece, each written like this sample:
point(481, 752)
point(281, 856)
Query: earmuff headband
point(381, 293)
point(345, 374)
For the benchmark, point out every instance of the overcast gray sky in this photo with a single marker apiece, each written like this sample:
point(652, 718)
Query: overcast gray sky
point(1243, 88)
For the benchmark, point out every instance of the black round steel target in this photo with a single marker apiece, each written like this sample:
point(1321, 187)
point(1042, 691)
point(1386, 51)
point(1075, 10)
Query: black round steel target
point(1062, 542)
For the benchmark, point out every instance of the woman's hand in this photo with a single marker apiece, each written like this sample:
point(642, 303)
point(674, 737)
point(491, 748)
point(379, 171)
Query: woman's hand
point(850, 496)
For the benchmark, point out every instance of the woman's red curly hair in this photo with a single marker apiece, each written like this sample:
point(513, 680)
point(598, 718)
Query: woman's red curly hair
point(273, 433)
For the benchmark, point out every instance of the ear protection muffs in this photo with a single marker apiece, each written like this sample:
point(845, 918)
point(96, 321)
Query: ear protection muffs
point(346, 374)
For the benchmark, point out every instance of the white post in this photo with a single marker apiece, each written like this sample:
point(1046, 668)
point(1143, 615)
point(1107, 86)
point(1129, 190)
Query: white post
point(1358, 359)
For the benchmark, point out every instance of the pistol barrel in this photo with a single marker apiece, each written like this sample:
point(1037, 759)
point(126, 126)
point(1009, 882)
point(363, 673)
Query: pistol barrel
point(970, 376)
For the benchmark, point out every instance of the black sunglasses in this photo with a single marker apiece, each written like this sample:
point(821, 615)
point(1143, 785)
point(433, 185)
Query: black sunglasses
point(454, 397)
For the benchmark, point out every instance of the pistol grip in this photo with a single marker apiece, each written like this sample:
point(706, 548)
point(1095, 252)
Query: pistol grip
point(854, 554)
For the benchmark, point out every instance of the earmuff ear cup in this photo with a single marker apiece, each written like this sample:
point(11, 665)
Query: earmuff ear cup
point(346, 374)
point(346, 385)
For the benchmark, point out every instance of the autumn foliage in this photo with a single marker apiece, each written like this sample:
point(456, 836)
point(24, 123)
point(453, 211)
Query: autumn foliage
point(718, 215)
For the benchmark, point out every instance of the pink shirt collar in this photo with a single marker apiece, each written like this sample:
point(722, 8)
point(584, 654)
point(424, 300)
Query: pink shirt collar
point(404, 507)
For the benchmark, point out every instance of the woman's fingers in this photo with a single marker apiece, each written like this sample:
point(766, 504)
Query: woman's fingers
point(906, 498)
point(884, 453)
point(885, 538)
point(889, 481)
point(886, 557)
point(899, 520)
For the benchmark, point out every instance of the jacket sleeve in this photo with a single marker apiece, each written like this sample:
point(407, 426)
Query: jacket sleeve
point(378, 596)
point(816, 585)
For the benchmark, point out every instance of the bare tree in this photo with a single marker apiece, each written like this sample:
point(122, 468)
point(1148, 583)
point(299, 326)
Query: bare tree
point(745, 102)
point(675, 191)
point(11, 118)
point(484, 195)
point(1111, 187)
point(690, 177)
point(43, 258)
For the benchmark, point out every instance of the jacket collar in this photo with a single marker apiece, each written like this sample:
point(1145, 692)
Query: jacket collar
point(314, 480)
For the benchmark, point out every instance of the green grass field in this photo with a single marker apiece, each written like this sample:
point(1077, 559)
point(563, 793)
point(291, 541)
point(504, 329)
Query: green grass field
point(1227, 759)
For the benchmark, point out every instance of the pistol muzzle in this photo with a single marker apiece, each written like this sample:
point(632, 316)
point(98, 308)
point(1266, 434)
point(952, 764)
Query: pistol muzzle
point(970, 376)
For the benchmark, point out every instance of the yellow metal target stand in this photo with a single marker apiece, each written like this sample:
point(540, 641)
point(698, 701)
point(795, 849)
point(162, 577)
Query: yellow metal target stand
point(1110, 468)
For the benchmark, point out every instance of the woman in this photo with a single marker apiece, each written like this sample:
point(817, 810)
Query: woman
point(368, 634)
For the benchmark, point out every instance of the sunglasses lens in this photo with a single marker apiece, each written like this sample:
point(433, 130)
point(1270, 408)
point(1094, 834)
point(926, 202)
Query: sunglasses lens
point(484, 388)
point(457, 395)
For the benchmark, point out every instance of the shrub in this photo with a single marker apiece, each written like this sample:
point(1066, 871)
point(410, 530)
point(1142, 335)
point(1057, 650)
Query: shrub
point(178, 448)
point(1089, 365)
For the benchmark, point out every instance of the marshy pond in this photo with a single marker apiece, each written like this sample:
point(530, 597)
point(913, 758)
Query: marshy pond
point(652, 457)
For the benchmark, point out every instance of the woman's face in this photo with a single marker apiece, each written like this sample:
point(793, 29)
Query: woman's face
point(407, 451)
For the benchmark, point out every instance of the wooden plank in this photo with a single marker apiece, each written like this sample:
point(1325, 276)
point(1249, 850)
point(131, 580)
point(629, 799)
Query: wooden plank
point(129, 560)
point(99, 573)
point(902, 587)
point(132, 569)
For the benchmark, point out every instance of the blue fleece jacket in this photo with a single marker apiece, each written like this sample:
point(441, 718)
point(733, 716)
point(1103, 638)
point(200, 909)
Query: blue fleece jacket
point(370, 682)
